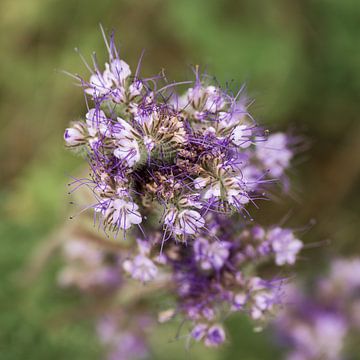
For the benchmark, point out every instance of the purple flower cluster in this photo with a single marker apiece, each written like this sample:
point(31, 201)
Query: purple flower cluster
point(321, 325)
point(215, 278)
point(185, 169)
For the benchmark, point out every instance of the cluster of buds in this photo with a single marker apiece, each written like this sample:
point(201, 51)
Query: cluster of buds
point(324, 323)
point(178, 175)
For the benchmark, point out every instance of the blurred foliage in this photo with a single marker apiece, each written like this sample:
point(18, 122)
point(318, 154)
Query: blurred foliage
point(300, 60)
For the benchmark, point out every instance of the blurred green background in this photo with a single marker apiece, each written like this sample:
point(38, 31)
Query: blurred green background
point(300, 60)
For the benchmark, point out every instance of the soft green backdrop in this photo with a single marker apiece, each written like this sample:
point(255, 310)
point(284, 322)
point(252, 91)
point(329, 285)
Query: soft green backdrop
point(301, 62)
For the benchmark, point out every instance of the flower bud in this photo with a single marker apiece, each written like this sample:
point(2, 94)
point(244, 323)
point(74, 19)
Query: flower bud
point(75, 135)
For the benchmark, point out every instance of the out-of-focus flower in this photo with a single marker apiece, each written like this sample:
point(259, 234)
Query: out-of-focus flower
point(215, 336)
point(275, 154)
point(123, 343)
point(320, 324)
point(89, 268)
point(211, 255)
point(284, 245)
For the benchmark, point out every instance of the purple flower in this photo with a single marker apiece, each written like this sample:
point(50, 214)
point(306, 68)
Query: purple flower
point(199, 331)
point(211, 255)
point(212, 336)
point(215, 336)
point(264, 296)
point(141, 267)
point(284, 245)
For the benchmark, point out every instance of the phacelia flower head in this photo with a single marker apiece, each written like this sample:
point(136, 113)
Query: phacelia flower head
point(200, 145)
point(180, 170)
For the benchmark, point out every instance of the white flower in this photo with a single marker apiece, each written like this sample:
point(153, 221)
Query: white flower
point(127, 146)
point(141, 267)
point(118, 95)
point(190, 201)
point(184, 222)
point(205, 98)
point(123, 129)
point(274, 154)
point(251, 176)
point(213, 191)
point(237, 197)
point(118, 71)
point(115, 74)
point(285, 245)
point(241, 136)
point(344, 276)
point(96, 122)
point(190, 221)
point(100, 84)
point(230, 189)
point(123, 213)
point(201, 182)
point(135, 89)
point(195, 96)
point(149, 143)
point(127, 150)
point(214, 100)
point(228, 120)
point(236, 115)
